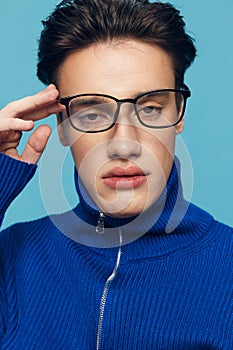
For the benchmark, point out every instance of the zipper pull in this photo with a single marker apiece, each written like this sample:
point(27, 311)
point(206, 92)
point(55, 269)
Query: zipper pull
point(100, 224)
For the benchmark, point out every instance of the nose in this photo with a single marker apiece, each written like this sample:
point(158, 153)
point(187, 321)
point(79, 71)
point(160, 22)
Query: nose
point(124, 142)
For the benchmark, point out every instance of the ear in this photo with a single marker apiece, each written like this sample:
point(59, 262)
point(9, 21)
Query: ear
point(61, 130)
point(180, 127)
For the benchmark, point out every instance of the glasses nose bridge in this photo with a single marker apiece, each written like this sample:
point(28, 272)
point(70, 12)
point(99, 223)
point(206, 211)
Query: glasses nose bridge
point(121, 102)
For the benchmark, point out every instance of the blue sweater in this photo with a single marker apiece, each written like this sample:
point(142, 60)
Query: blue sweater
point(171, 288)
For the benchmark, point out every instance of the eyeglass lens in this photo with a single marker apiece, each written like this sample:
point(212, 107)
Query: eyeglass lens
point(156, 110)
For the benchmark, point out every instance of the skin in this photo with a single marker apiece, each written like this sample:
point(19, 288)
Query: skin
point(121, 69)
point(19, 116)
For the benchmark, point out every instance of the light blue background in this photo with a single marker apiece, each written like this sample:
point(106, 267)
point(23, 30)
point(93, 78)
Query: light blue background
point(209, 118)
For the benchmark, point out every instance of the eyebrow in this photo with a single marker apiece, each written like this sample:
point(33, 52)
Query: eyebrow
point(93, 100)
point(162, 95)
point(85, 101)
point(160, 92)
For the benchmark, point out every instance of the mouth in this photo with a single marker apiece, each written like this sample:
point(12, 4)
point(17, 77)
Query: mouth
point(125, 178)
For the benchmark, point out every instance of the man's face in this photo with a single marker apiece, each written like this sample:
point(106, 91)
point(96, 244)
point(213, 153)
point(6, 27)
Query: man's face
point(125, 168)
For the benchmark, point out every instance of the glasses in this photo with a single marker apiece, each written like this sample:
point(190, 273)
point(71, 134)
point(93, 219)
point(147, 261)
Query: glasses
point(158, 109)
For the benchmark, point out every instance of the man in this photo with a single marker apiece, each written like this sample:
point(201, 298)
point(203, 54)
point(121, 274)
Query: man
point(133, 266)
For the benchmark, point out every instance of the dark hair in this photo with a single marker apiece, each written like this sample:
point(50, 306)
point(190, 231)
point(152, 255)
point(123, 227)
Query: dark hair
point(78, 24)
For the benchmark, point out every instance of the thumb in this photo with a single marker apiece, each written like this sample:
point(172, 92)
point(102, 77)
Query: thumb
point(36, 144)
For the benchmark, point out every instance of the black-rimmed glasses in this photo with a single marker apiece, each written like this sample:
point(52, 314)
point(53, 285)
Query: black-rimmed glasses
point(156, 109)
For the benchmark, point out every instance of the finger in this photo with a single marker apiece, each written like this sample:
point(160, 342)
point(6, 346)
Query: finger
point(44, 112)
point(32, 104)
point(10, 124)
point(36, 145)
point(12, 152)
point(9, 145)
point(10, 136)
point(49, 87)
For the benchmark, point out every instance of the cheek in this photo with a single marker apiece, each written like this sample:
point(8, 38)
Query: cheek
point(79, 151)
point(84, 156)
point(82, 145)
point(161, 146)
point(89, 155)
point(161, 143)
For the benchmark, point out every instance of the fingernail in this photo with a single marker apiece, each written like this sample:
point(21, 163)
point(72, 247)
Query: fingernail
point(48, 88)
point(51, 86)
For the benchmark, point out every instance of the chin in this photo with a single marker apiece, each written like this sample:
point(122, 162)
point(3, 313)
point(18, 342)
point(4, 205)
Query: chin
point(124, 213)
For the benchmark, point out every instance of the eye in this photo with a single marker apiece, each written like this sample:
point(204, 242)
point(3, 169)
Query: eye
point(151, 109)
point(90, 117)
point(91, 120)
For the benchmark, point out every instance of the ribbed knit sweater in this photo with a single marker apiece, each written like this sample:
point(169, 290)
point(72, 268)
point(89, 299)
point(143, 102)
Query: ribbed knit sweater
point(171, 288)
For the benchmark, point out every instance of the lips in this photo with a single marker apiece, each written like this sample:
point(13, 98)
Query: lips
point(124, 178)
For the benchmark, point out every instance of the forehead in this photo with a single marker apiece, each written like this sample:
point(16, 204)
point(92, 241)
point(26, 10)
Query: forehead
point(118, 68)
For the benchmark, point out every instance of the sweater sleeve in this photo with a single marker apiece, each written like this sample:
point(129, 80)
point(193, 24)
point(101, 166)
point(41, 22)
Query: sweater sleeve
point(3, 309)
point(14, 176)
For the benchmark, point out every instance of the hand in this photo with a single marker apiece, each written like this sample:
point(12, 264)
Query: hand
point(19, 116)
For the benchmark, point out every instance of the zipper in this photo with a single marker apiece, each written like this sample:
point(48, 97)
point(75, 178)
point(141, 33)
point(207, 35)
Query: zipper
point(100, 224)
point(105, 293)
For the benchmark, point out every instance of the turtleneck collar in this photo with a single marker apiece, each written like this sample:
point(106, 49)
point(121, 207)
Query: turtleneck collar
point(171, 223)
point(162, 218)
